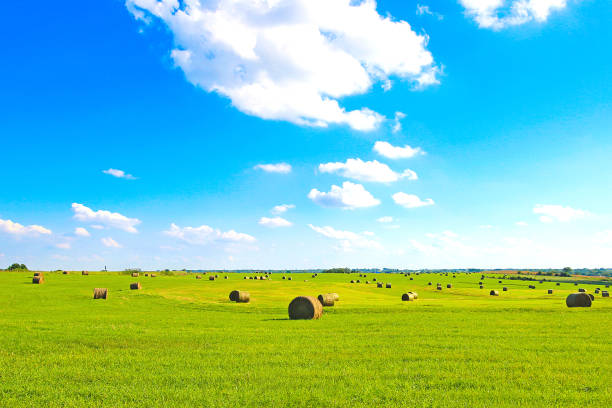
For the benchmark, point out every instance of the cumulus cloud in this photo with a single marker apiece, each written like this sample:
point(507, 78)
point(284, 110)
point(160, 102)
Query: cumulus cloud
point(18, 230)
point(205, 235)
point(550, 213)
point(110, 243)
point(107, 218)
point(423, 9)
point(373, 171)
point(395, 152)
point(291, 59)
point(119, 174)
point(411, 200)
point(499, 14)
point(81, 232)
point(348, 241)
point(280, 209)
point(274, 222)
point(385, 219)
point(349, 196)
point(282, 168)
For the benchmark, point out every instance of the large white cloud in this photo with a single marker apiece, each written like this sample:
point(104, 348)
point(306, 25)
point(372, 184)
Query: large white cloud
point(373, 171)
point(16, 229)
point(395, 152)
point(498, 14)
point(349, 196)
point(411, 200)
point(348, 240)
point(204, 235)
point(291, 59)
point(107, 218)
point(274, 222)
point(549, 213)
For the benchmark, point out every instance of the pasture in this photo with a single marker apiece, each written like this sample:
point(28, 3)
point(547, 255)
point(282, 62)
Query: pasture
point(180, 342)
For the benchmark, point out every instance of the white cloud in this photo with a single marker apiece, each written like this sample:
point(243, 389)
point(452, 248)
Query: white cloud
point(81, 232)
point(411, 200)
point(282, 168)
point(204, 235)
point(397, 121)
point(293, 59)
point(119, 174)
point(521, 224)
point(16, 229)
point(498, 14)
point(274, 222)
point(423, 9)
point(110, 219)
point(280, 209)
point(373, 171)
point(550, 213)
point(394, 152)
point(349, 196)
point(110, 243)
point(63, 245)
point(348, 241)
point(385, 219)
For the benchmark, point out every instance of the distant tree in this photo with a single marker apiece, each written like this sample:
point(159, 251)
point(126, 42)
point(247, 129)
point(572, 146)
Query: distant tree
point(567, 269)
point(16, 267)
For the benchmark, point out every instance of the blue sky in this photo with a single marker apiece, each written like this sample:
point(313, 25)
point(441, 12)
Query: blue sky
point(505, 107)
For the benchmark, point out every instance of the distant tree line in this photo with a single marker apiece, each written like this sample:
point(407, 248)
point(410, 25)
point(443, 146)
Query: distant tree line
point(17, 267)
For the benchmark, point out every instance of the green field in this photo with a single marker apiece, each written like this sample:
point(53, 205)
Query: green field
point(180, 342)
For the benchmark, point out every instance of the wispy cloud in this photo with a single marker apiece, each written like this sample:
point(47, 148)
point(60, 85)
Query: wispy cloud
point(423, 10)
point(119, 174)
point(549, 213)
point(274, 222)
point(385, 219)
point(348, 241)
point(282, 168)
point(497, 14)
point(110, 243)
point(204, 235)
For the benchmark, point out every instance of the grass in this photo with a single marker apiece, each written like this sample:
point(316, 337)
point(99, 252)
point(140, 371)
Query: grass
point(180, 342)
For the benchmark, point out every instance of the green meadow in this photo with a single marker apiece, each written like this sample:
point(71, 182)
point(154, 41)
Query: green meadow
point(180, 342)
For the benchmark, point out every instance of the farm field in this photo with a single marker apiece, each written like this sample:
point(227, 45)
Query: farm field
point(180, 342)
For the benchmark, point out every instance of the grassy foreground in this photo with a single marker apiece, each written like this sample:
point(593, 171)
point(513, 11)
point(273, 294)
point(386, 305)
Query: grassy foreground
point(180, 342)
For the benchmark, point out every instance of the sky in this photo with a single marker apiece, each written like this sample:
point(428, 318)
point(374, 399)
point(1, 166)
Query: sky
point(290, 134)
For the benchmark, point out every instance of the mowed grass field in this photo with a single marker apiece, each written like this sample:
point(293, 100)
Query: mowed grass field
point(180, 342)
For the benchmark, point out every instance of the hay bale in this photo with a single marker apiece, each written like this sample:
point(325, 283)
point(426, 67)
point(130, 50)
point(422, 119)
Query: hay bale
point(379, 284)
point(37, 273)
point(581, 290)
point(591, 296)
point(240, 296)
point(336, 296)
point(411, 278)
point(358, 281)
point(153, 275)
point(550, 291)
point(198, 277)
point(305, 307)
point(135, 286)
point(429, 283)
point(225, 277)
point(558, 284)
point(352, 281)
point(289, 278)
point(38, 279)
point(388, 286)
point(531, 286)
point(578, 300)
point(65, 273)
point(211, 278)
point(326, 299)
point(605, 293)
point(597, 291)
point(245, 278)
point(134, 274)
point(438, 287)
point(505, 289)
point(407, 297)
point(449, 286)
point(367, 282)
point(374, 280)
point(481, 287)
point(84, 273)
point(284, 277)
point(499, 281)
point(494, 292)
point(100, 293)
point(146, 274)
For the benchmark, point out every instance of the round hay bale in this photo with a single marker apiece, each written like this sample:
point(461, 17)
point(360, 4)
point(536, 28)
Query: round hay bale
point(239, 296)
point(65, 273)
point(135, 286)
point(416, 295)
point(305, 307)
point(284, 277)
point(550, 291)
point(388, 286)
point(438, 287)
point(211, 278)
point(411, 278)
point(581, 290)
point(481, 287)
point(352, 281)
point(558, 284)
point(153, 275)
point(134, 274)
point(216, 276)
point(198, 277)
point(367, 282)
point(429, 283)
point(358, 281)
point(374, 280)
point(335, 296)
point(449, 286)
point(494, 293)
point(100, 293)
point(499, 281)
point(407, 297)
point(605, 293)
point(597, 291)
point(146, 274)
point(37, 273)
point(480, 283)
point(505, 289)
point(326, 299)
point(245, 278)
point(38, 279)
point(289, 278)
point(575, 284)
point(591, 296)
point(84, 273)
point(578, 300)
point(379, 285)
point(225, 277)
